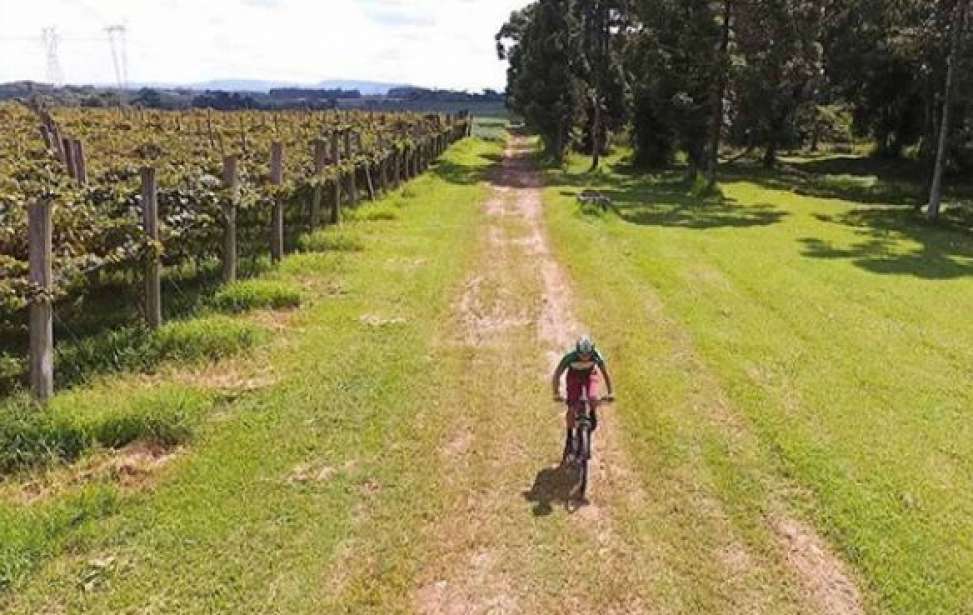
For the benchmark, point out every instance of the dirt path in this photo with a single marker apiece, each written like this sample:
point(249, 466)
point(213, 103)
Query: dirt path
point(512, 513)
point(511, 539)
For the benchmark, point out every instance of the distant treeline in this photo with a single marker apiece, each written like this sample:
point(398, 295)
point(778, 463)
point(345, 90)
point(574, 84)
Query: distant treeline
point(405, 98)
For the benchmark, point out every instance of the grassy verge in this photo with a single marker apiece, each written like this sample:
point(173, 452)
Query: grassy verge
point(491, 128)
point(262, 509)
point(799, 350)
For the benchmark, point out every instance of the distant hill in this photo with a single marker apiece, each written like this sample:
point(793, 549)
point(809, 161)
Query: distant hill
point(254, 94)
point(367, 88)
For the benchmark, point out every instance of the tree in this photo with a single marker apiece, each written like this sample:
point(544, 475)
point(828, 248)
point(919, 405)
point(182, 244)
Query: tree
point(563, 73)
point(719, 92)
point(780, 65)
point(958, 27)
point(601, 72)
point(673, 79)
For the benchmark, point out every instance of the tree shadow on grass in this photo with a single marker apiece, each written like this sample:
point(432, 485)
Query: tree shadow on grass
point(463, 174)
point(667, 199)
point(553, 486)
point(945, 249)
point(859, 180)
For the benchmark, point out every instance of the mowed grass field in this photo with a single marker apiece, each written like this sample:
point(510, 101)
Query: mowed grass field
point(322, 429)
point(801, 346)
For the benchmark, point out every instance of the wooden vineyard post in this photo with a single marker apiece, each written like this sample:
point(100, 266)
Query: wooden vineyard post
point(353, 184)
point(209, 127)
point(80, 164)
point(153, 266)
point(336, 205)
point(368, 181)
point(39, 230)
point(58, 144)
point(277, 217)
point(383, 173)
point(352, 178)
point(335, 152)
point(231, 182)
point(68, 150)
point(399, 173)
point(336, 159)
point(320, 161)
point(243, 135)
point(48, 139)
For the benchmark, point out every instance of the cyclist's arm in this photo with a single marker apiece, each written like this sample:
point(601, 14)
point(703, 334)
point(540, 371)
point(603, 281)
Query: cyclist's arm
point(608, 381)
point(558, 372)
point(556, 381)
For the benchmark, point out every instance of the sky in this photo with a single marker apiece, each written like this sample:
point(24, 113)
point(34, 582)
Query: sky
point(431, 43)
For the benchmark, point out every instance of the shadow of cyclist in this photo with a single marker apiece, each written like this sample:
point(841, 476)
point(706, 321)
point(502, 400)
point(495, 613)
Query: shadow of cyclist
point(553, 486)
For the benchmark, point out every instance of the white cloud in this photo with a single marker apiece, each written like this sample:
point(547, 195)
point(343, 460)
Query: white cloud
point(446, 43)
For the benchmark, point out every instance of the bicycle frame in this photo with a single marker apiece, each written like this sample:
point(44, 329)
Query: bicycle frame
point(578, 441)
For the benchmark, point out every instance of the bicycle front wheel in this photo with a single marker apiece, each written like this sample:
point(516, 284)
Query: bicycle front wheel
point(584, 454)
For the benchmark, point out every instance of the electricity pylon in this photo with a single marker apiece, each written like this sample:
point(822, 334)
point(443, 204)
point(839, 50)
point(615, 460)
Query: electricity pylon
point(119, 54)
point(51, 40)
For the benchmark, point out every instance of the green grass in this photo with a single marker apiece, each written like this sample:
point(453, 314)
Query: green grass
point(226, 528)
point(79, 421)
point(833, 322)
point(257, 294)
point(491, 128)
point(373, 212)
point(138, 349)
point(332, 239)
point(207, 338)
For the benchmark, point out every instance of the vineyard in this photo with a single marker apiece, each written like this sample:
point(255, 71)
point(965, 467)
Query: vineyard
point(126, 190)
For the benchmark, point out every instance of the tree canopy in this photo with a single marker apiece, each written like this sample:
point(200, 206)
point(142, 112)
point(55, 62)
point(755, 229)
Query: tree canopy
point(692, 75)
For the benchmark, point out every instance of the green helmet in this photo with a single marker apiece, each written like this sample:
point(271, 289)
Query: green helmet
point(585, 345)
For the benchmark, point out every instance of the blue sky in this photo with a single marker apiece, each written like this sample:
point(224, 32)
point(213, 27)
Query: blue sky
point(445, 43)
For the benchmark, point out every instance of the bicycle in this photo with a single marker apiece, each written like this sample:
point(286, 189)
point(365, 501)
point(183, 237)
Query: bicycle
point(578, 442)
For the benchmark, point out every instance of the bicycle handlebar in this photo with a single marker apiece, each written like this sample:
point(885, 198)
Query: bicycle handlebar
point(602, 400)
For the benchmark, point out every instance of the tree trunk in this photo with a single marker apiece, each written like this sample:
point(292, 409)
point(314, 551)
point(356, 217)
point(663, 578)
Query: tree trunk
point(719, 92)
point(598, 50)
point(816, 132)
point(596, 133)
point(936, 192)
point(770, 154)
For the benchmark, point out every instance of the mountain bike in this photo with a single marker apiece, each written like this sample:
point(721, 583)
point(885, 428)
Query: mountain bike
point(577, 445)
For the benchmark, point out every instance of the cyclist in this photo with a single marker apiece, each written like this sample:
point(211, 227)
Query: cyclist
point(580, 366)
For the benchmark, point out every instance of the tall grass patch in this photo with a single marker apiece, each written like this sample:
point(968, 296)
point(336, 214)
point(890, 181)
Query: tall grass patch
point(210, 338)
point(77, 422)
point(332, 239)
point(257, 294)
